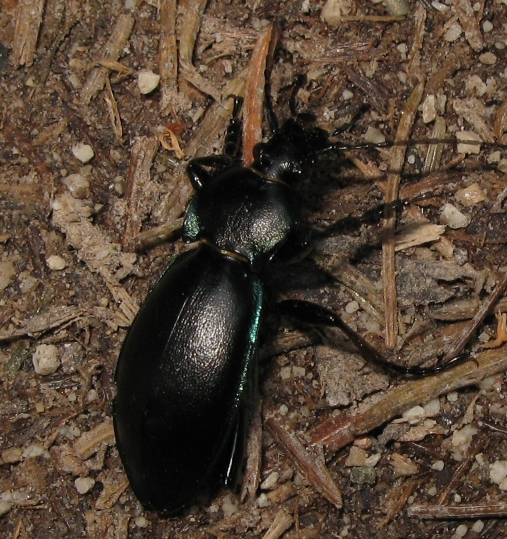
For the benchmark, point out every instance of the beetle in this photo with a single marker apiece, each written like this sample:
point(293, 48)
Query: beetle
point(185, 363)
point(184, 369)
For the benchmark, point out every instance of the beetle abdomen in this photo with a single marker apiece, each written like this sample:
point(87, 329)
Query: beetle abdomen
point(179, 393)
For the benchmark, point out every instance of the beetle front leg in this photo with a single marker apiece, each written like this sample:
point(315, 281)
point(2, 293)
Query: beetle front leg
point(196, 168)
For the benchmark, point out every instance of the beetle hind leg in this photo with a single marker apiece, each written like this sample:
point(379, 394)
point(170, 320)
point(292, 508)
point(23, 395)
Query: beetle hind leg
point(316, 315)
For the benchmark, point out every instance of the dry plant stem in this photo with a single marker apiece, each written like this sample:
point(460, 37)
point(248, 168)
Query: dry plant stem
point(396, 498)
point(282, 522)
point(414, 60)
point(253, 106)
point(111, 51)
point(252, 476)
point(142, 155)
point(52, 318)
point(72, 217)
point(475, 447)
point(308, 464)
point(467, 511)
point(190, 24)
point(393, 184)
point(476, 321)
point(470, 24)
point(112, 108)
point(191, 75)
point(372, 18)
point(338, 432)
point(168, 54)
point(28, 22)
point(156, 235)
point(434, 153)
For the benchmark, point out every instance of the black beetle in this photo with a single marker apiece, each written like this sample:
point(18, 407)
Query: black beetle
point(185, 365)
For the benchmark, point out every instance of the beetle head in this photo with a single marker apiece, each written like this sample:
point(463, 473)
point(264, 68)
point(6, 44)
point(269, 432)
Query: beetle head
point(289, 154)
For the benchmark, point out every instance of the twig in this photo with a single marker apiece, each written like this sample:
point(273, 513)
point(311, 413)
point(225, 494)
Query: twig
point(338, 432)
point(253, 107)
point(475, 447)
point(168, 54)
point(138, 193)
point(393, 184)
point(282, 522)
point(467, 511)
point(476, 321)
point(112, 51)
point(28, 22)
point(190, 24)
point(309, 465)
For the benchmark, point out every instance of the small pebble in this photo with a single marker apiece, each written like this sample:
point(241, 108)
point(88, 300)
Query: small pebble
point(56, 263)
point(147, 81)
point(141, 522)
point(478, 526)
point(465, 136)
point(352, 307)
point(488, 58)
point(487, 26)
point(374, 136)
point(397, 8)
point(498, 471)
point(453, 32)
point(228, 506)
point(77, 184)
point(13, 454)
point(357, 457)
point(34, 450)
point(453, 218)
point(429, 110)
point(5, 507)
point(271, 481)
point(461, 530)
point(347, 95)
point(84, 484)
point(83, 152)
point(438, 465)
point(471, 195)
point(45, 359)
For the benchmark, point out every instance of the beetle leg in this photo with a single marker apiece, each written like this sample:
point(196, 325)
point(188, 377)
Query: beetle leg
point(316, 315)
point(232, 144)
point(197, 172)
point(196, 167)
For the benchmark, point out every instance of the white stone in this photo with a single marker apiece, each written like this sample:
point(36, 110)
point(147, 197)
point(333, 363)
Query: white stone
point(147, 81)
point(83, 152)
point(45, 359)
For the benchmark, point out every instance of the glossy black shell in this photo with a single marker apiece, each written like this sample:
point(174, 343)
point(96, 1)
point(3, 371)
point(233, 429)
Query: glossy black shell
point(181, 375)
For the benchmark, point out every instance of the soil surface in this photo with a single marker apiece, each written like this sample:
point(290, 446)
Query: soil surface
point(93, 154)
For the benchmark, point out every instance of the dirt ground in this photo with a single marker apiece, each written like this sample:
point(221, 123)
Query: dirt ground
point(93, 173)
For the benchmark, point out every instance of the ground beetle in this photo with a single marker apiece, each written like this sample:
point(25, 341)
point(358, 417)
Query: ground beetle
point(185, 365)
